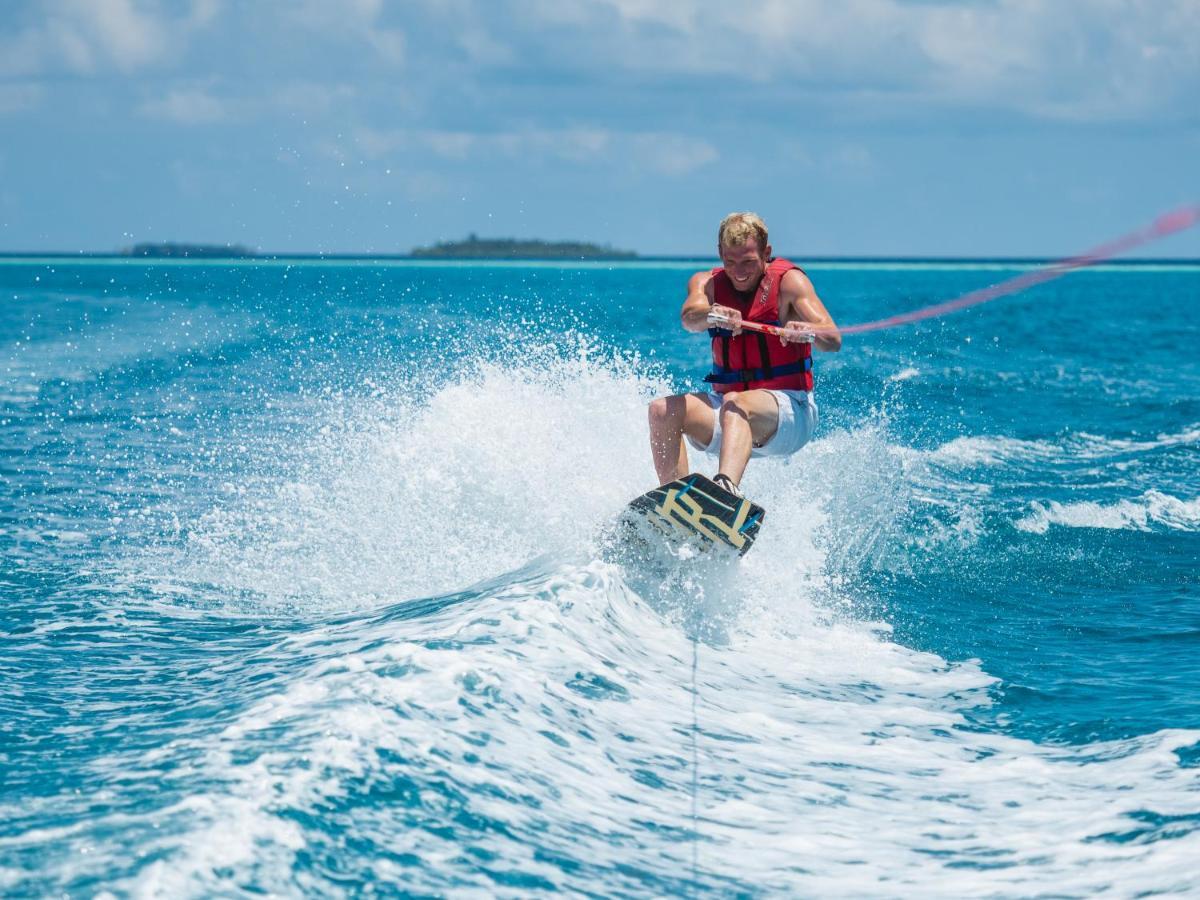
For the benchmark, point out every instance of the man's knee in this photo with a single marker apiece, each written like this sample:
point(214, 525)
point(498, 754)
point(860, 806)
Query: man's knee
point(749, 407)
point(733, 405)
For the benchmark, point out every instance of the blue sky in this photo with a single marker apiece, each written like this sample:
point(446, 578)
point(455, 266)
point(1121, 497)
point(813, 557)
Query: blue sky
point(892, 127)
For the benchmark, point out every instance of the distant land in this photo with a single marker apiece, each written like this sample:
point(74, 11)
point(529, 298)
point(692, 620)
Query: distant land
point(190, 251)
point(531, 249)
point(475, 247)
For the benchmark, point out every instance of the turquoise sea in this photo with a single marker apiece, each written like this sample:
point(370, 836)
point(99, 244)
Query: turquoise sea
point(303, 592)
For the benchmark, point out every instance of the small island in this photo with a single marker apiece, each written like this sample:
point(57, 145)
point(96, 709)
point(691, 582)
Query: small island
point(475, 247)
point(190, 251)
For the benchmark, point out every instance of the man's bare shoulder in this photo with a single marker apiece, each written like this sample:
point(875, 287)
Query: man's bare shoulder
point(796, 283)
point(698, 283)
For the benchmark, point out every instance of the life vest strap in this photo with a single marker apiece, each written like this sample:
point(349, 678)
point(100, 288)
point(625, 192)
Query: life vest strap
point(722, 375)
point(764, 355)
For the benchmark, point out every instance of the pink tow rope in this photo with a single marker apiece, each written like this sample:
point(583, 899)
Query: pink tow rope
point(1169, 223)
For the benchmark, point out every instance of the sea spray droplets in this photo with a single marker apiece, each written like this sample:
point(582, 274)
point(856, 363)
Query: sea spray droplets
point(400, 493)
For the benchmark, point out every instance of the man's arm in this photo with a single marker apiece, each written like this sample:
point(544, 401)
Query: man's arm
point(801, 311)
point(698, 304)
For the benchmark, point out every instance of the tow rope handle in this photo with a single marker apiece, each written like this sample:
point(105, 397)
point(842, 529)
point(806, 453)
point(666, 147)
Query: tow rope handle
point(717, 321)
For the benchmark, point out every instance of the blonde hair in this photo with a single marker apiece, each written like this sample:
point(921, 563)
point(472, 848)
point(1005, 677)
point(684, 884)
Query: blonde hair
point(739, 228)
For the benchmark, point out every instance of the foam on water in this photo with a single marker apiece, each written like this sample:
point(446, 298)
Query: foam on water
point(1152, 509)
point(364, 637)
point(992, 450)
point(399, 493)
point(401, 490)
point(556, 732)
point(567, 723)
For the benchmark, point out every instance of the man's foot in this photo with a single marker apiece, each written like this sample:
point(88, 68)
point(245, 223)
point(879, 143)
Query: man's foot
point(723, 480)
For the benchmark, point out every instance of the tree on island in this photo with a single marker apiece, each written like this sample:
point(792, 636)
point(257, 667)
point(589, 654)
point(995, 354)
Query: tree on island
point(475, 247)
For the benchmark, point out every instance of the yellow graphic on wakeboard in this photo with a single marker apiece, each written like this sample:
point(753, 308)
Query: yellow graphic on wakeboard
point(680, 507)
point(696, 507)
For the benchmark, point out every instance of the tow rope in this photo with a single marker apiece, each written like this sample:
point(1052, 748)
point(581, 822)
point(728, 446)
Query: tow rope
point(1166, 224)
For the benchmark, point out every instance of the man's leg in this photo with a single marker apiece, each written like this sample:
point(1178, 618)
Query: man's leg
point(748, 419)
point(670, 419)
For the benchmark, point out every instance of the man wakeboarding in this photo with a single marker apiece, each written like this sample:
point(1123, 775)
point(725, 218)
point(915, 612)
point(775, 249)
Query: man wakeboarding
point(761, 402)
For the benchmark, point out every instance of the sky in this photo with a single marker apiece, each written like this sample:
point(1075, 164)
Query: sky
point(859, 127)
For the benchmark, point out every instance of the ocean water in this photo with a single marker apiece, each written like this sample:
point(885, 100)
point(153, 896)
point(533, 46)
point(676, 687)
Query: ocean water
point(303, 593)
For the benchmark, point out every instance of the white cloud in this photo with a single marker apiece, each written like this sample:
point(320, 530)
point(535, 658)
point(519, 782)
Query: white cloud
point(483, 48)
point(203, 12)
point(197, 104)
point(1064, 59)
point(852, 161)
point(187, 106)
point(355, 20)
point(389, 44)
point(672, 154)
point(584, 143)
point(128, 37)
point(449, 144)
point(682, 17)
point(659, 153)
point(312, 97)
point(88, 36)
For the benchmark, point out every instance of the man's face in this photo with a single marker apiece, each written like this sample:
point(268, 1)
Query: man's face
point(746, 264)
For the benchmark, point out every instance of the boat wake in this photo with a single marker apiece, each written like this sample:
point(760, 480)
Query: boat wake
point(487, 705)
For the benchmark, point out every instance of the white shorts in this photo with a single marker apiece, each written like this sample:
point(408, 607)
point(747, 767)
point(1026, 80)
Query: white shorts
point(797, 422)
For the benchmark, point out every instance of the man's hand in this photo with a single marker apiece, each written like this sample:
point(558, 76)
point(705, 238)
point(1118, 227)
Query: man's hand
point(798, 333)
point(725, 317)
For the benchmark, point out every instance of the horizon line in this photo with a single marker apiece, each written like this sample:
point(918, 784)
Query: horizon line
point(408, 257)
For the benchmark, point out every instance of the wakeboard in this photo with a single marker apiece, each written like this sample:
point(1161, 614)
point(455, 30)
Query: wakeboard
point(697, 510)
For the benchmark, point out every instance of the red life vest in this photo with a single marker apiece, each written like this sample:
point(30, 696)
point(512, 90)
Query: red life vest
point(753, 360)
